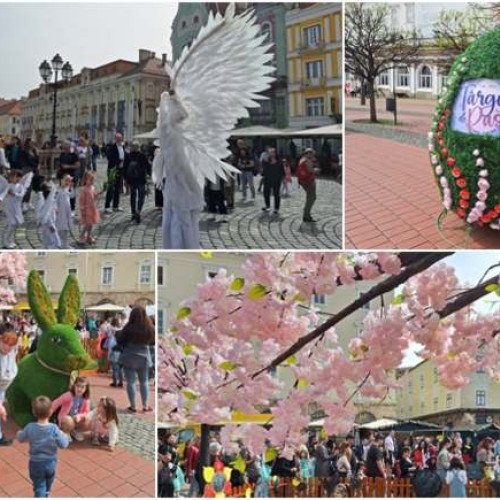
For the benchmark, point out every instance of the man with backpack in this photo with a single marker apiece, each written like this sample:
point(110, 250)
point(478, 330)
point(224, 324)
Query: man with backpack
point(306, 175)
point(136, 171)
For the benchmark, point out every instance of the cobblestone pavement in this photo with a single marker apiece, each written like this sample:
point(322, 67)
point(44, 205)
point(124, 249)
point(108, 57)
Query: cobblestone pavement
point(392, 200)
point(248, 227)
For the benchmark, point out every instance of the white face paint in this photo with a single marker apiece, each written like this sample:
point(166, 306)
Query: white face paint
point(476, 109)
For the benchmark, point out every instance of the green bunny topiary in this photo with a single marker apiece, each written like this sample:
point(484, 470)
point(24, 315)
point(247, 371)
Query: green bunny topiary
point(59, 355)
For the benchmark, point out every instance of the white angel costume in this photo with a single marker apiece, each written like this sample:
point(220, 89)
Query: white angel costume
point(46, 218)
point(64, 220)
point(214, 82)
point(12, 196)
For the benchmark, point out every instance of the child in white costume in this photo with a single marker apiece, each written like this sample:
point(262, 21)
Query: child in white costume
point(46, 218)
point(64, 220)
point(12, 192)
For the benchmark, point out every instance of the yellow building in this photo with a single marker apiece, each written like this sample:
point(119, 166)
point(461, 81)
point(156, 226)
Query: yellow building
point(422, 397)
point(10, 119)
point(314, 59)
point(122, 278)
point(179, 273)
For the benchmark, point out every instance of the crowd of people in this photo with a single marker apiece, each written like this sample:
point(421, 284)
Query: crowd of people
point(340, 465)
point(74, 415)
point(67, 196)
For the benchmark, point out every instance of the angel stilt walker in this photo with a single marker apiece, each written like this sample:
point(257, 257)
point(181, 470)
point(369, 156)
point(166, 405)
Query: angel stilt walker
point(12, 191)
point(64, 220)
point(212, 85)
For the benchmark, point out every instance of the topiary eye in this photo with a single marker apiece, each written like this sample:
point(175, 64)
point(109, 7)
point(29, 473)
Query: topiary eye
point(56, 340)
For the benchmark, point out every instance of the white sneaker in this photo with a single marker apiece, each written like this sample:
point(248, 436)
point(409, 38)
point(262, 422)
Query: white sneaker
point(11, 246)
point(108, 211)
point(77, 436)
point(118, 209)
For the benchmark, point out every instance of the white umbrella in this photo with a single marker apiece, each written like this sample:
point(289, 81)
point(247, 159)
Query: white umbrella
point(335, 129)
point(105, 308)
point(153, 134)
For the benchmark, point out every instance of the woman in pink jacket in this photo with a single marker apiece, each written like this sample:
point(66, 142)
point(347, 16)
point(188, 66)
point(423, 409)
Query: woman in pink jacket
point(74, 407)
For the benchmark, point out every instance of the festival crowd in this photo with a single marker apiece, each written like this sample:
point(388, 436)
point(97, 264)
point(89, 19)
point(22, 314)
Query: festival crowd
point(339, 465)
point(66, 196)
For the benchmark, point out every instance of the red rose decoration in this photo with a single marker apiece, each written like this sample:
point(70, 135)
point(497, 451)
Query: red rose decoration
point(461, 183)
point(441, 142)
point(450, 162)
point(439, 135)
point(485, 219)
point(444, 152)
point(461, 213)
point(463, 203)
point(464, 194)
point(440, 125)
point(456, 172)
point(497, 208)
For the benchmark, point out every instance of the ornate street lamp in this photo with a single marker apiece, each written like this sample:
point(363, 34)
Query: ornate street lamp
point(46, 71)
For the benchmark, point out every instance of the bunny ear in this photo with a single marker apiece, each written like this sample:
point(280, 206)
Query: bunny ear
point(69, 302)
point(40, 301)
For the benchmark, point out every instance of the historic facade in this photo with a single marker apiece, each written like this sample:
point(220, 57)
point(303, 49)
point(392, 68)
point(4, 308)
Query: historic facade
point(119, 96)
point(10, 122)
point(422, 397)
point(122, 278)
point(314, 58)
point(271, 18)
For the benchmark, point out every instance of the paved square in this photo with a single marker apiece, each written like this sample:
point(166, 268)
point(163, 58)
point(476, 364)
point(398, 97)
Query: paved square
point(248, 226)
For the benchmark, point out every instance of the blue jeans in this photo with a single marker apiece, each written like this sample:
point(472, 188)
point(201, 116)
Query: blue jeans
point(130, 376)
point(117, 373)
point(247, 181)
point(42, 473)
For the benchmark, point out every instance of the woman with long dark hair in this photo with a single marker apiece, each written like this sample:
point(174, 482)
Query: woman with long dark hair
point(136, 359)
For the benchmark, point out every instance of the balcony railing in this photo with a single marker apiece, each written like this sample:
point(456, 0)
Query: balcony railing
point(311, 46)
point(313, 83)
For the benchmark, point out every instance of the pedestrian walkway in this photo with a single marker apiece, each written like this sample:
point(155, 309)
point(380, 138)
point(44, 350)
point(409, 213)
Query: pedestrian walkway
point(88, 471)
point(247, 226)
point(392, 200)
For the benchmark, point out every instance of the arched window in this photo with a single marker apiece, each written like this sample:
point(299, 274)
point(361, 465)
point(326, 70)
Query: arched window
point(425, 78)
point(403, 76)
point(265, 29)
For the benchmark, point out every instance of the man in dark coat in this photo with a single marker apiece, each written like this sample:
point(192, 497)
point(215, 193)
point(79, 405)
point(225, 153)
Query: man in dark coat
point(116, 158)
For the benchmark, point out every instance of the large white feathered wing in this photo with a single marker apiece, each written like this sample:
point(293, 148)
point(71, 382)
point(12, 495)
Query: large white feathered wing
point(4, 184)
point(216, 80)
point(45, 213)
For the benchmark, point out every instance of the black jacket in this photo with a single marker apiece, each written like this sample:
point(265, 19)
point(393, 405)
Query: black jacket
point(114, 157)
point(139, 173)
point(273, 172)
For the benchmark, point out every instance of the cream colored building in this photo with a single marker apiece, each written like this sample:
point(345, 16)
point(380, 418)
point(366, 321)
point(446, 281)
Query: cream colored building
point(118, 96)
point(179, 273)
point(123, 278)
point(422, 397)
point(10, 119)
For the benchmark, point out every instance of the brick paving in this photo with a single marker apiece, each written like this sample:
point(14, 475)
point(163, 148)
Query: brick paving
point(247, 227)
point(392, 200)
point(88, 471)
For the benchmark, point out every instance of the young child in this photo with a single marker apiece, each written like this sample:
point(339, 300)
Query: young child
point(12, 193)
point(46, 218)
point(74, 407)
point(287, 180)
point(8, 371)
point(89, 213)
point(456, 477)
point(64, 220)
point(105, 423)
point(44, 439)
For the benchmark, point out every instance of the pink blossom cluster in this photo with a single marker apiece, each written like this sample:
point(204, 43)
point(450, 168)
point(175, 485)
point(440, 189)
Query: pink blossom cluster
point(12, 269)
point(234, 327)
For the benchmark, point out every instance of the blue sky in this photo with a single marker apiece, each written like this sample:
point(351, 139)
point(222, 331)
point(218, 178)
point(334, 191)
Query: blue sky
point(87, 34)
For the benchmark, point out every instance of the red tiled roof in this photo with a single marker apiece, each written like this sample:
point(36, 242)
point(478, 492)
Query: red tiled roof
point(12, 107)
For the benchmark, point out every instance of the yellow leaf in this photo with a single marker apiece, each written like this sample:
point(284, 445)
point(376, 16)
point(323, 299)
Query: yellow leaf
point(451, 355)
point(237, 284)
point(188, 349)
point(183, 312)
point(189, 394)
point(207, 255)
point(228, 366)
point(398, 300)
point(302, 383)
point(299, 298)
point(291, 360)
point(256, 291)
point(492, 288)
point(174, 329)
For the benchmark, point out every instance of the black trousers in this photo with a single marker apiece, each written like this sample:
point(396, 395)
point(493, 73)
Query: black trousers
point(216, 202)
point(274, 186)
point(137, 196)
point(113, 193)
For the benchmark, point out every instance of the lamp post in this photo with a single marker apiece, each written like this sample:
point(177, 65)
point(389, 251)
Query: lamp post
point(46, 71)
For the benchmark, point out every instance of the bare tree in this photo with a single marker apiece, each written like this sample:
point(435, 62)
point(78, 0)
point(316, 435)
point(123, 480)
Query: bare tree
point(372, 46)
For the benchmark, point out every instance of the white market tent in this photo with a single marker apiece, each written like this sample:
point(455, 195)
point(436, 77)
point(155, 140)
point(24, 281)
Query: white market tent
point(334, 129)
point(261, 131)
point(381, 423)
point(108, 307)
point(153, 134)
